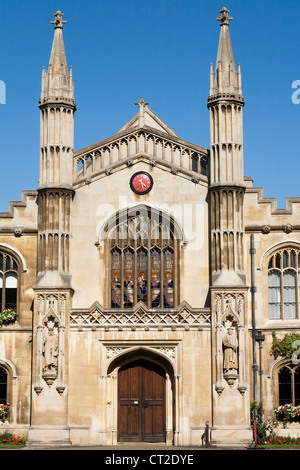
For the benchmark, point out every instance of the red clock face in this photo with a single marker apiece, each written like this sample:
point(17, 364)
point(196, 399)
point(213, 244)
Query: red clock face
point(141, 182)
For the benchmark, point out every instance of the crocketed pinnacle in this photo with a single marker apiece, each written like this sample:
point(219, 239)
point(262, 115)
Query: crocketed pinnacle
point(225, 80)
point(57, 83)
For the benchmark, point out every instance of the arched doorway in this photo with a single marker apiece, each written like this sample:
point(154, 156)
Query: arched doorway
point(141, 402)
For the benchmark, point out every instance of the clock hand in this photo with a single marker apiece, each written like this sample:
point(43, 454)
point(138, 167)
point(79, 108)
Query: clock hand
point(142, 184)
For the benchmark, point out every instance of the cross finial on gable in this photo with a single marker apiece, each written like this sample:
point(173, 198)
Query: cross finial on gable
point(58, 22)
point(141, 103)
point(224, 18)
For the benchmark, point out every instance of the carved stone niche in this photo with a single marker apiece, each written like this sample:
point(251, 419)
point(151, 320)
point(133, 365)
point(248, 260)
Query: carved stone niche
point(50, 350)
point(230, 340)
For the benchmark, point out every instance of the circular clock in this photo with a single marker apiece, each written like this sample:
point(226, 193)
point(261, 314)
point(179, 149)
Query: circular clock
point(141, 182)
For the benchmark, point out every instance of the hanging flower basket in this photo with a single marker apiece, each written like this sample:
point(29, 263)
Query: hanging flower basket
point(8, 316)
point(288, 413)
point(4, 410)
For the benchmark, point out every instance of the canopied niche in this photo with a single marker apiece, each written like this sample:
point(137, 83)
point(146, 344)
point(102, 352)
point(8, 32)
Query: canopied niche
point(50, 340)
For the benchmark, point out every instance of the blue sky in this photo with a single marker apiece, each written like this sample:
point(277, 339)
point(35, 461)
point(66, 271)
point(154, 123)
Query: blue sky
point(161, 50)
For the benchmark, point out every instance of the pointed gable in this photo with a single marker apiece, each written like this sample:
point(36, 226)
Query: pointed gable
point(146, 137)
point(146, 117)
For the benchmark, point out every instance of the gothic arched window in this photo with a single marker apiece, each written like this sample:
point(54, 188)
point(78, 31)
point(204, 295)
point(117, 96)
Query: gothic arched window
point(8, 281)
point(3, 386)
point(289, 385)
point(143, 261)
point(283, 277)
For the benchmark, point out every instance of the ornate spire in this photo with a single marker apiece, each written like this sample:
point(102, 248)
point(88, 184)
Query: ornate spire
point(225, 79)
point(57, 82)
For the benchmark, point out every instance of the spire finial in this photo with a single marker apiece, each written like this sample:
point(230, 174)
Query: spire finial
point(58, 22)
point(224, 18)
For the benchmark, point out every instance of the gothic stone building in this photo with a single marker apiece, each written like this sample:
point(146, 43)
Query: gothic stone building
point(138, 301)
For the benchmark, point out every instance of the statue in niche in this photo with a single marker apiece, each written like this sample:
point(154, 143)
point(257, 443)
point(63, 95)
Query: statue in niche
point(50, 352)
point(230, 345)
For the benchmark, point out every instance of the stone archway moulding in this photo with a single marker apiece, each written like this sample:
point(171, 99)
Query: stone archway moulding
point(114, 354)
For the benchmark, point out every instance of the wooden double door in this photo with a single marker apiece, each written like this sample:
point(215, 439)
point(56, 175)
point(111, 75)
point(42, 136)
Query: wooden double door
point(141, 402)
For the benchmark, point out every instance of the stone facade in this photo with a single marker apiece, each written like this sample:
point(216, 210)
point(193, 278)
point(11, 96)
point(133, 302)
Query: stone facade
point(82, 326)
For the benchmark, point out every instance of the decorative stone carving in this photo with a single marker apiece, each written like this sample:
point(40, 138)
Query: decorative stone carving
point(147, 143)
point(167, 350)
point(50, 350)
point(113, 351)
point(50, 341)
point(140, 316)
point(18, 232)
point(230, 340)
point(288, 228)
point(266, 229)
point(230, 353)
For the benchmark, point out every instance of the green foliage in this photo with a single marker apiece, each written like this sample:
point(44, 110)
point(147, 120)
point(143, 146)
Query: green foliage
point(4, 411)
point(8, 316)
point(287, 413)
point(284, 347)
point(263, 431)
point(8, 439)
point(279, 441)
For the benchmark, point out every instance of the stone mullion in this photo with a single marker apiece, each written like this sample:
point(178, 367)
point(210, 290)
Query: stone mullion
point(135, 269)
point(176, 274)
point(161, 267)
point(281, 294)
point(122, 277)
point(149, 265)
point(297, 286)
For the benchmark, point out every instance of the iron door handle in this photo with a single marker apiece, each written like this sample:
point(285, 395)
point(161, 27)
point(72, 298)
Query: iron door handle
point(146, 404)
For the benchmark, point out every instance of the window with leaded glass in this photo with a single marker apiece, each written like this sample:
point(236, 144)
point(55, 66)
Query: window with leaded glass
point(3, 386)
point(8, 281)
point(289, 385)
point(143, 260)
point(283, 279)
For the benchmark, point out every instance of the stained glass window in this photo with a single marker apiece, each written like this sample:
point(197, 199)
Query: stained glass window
point(143, 252)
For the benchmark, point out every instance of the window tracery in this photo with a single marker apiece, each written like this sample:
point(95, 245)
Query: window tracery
point(8, 281)
point(143, 254)
point(3, 386)
point(284, 284)
point(289, 384)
